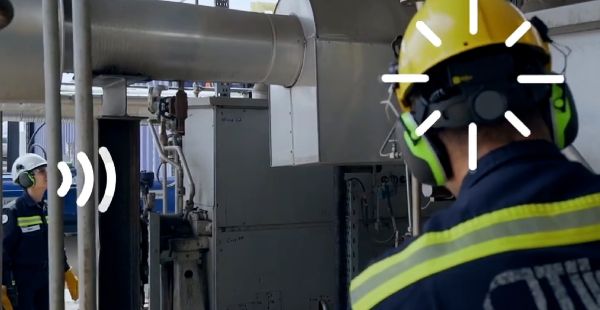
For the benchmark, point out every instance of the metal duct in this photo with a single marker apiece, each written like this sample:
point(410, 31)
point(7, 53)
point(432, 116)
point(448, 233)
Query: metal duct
point(157, 40)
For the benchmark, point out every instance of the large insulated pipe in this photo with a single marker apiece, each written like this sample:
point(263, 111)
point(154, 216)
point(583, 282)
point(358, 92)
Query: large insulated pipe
point(84, 128)
point(52, 80)
point(158, 40)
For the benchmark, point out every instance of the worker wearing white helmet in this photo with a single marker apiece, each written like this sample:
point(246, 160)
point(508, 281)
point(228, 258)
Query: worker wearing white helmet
point(25, 248)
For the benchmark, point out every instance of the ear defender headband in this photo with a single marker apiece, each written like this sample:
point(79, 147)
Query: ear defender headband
point(25, 178)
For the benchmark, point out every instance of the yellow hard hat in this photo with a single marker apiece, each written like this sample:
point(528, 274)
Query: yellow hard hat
point(449, 20)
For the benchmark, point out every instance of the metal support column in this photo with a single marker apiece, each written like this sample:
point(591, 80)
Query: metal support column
point(12, 152)
point(84, 121)
point(52, 80)
point(1, 193)
point(29, 129)
point(342, 235)
point(119, 281)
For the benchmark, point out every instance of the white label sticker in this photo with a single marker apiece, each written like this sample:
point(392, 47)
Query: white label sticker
point(4, 218)
point(29, 229)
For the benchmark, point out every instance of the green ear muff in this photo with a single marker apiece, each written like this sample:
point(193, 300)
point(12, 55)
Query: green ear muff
point(420, 153)
point(563, 116)
point(26, 179)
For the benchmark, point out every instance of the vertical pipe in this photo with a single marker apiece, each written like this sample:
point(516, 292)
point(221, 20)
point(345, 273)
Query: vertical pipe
point(177, 139)
point(164, 187)
point(415, 206)
point(52, 80)
point(179, 186)
point(86, 224)
point(573, 154)
point(22, 138)
point(162, 142)
point(12, 144)
point(1, 193)
point(408, 175)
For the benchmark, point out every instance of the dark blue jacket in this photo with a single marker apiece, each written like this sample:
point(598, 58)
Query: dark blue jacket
point(25, 244)
point(524, 233)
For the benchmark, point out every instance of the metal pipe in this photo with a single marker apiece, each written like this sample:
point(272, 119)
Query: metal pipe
point(86, 224)
point(159, 40)
point(161, 148)
point(1, 192)
point(159, 142)
point(164, 188)
point(179, 189)
point(180, 166)
point(183, 162)
point(415, 206)
point(408, 175)
point(165, 206)
point(52, 79)
point(35, 112)
point(163, 156)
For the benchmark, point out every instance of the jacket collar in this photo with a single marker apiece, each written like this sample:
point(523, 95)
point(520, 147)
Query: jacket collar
point(505, 155)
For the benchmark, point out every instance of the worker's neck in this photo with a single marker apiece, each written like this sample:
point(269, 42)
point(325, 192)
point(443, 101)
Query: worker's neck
point(459, 162)
point(36, 194)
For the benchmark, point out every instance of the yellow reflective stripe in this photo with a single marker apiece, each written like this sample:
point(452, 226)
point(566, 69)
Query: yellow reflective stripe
point(363, 286)
point(29, 223)
point(29, 220)
point(480, 222)
point(435, 265)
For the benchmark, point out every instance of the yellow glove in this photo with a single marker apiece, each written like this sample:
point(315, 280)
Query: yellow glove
point(6, 304)
point(72, 283)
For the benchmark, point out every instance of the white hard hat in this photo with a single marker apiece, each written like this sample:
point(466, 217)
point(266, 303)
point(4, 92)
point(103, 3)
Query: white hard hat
point(27, 162)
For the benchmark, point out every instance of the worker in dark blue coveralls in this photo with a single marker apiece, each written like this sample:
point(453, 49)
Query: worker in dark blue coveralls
point(25, 248)
point(524, 231)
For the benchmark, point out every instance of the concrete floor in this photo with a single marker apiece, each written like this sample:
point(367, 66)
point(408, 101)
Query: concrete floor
point(71, 248)
point(70, 304)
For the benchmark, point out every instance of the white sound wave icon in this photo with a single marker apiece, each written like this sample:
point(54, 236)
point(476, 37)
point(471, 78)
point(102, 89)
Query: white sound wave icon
point(88, 183)
point(111, 179)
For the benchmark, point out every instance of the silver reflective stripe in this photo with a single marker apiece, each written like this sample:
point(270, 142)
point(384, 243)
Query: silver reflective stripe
point(29, 229)
point(10, 203)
